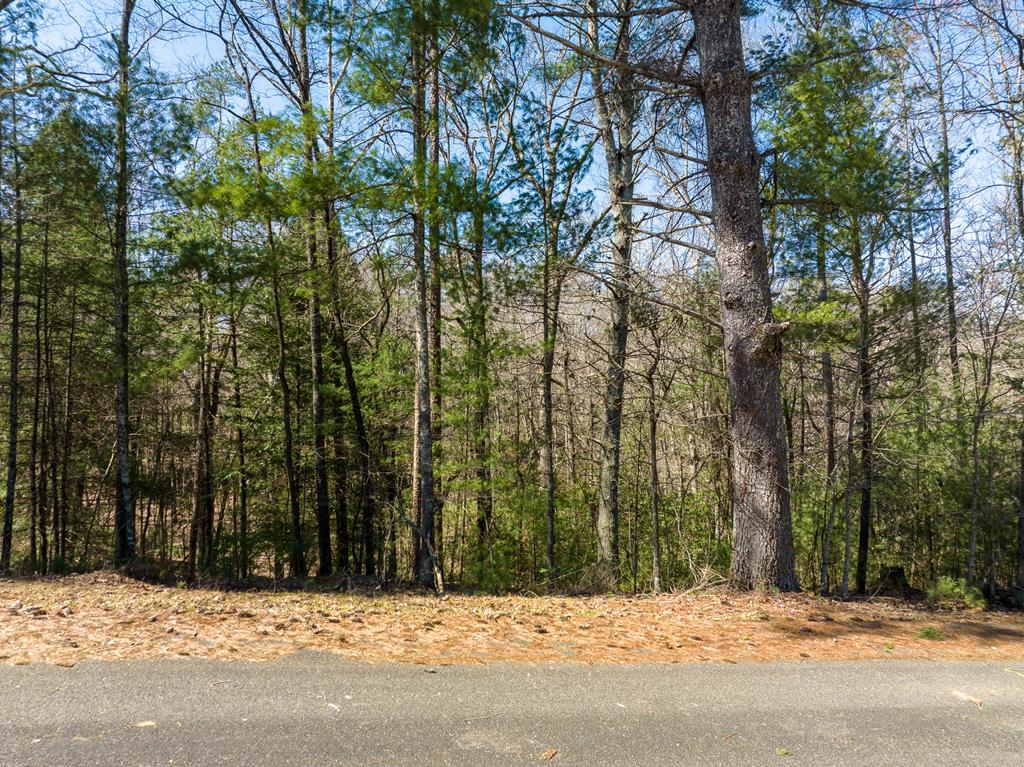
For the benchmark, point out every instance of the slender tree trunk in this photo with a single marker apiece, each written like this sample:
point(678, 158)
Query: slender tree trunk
point(847, 513)
point(828, 387)
point(549, 311)
point(322, 502)
point(434, 254)
point(1018, 199)
point(762, 541)
point(43, 503)
point(341, 523)
point(243, 474)
point(51, 404)
point(367, 511)
point(124, 514)
point(865, 373)
point(652, 416)
point(197, 485)
point(12, 422)
point(1020, 517)
point(972, 541)
point(365, 508)
point(33, 482)
point(479, 349)
point(298, 556)
point(616, 110)
point(424, 476)
point(945, 170)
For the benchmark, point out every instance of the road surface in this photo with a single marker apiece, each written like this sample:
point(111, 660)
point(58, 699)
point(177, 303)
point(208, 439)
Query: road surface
point(313, 710)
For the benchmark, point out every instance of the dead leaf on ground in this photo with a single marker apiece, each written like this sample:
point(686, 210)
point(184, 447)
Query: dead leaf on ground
point(965, 697)
point(550, 754)
point(115, 617)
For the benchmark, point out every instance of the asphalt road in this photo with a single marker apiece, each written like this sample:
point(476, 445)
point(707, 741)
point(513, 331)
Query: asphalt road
point(312, 709)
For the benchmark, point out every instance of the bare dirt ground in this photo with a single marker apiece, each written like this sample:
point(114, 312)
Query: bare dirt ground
point(107, 616)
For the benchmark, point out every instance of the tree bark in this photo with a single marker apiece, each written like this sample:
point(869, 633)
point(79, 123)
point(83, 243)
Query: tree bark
point(762, 544)
point(434, 251)
point(480, 351)
point(33, 477)
point(298, 556)
point(243, 475)
point(865, 374)
point(616, 111)
point(549, 318)
point(652, 416)
point(828, 387)
point(1020, 516)
point(322, 501)
point(15, 349)
point(945, 168)
point(124, 511)
point(424, 476)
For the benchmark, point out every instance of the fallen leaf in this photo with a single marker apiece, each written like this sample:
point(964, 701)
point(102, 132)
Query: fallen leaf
point(783, 752)
point(965, 697)
point(550, 754)
point(147, 723)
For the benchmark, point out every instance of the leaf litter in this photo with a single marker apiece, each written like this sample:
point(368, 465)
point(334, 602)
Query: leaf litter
point(69, 619)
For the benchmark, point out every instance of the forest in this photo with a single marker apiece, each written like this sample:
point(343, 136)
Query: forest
point(615, 295)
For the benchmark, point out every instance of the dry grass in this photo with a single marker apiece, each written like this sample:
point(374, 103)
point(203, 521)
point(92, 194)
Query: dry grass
point(67, 620)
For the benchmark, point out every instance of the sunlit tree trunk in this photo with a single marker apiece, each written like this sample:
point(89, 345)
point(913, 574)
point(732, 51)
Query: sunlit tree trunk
point(762, 544)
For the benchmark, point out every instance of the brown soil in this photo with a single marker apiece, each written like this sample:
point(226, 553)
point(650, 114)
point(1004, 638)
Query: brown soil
point(67, 620)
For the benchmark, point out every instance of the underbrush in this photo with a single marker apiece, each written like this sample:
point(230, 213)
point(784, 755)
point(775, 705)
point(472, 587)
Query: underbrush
point(955, 594)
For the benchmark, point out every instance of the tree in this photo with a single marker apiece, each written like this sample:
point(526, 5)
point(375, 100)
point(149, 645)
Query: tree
point(762, 548)
point(124, 513)
point(15, 348)
point(616, 103)
point(835, 153)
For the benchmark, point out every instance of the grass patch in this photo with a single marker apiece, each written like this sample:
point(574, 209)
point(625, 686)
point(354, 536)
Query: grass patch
point(928, 632)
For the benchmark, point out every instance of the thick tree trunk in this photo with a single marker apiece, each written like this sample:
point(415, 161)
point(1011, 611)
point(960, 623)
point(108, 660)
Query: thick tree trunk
point(124, 511)
point(762, 544)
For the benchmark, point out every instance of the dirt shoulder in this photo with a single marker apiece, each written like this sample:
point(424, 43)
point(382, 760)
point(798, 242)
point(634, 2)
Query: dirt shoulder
point(105, 616)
